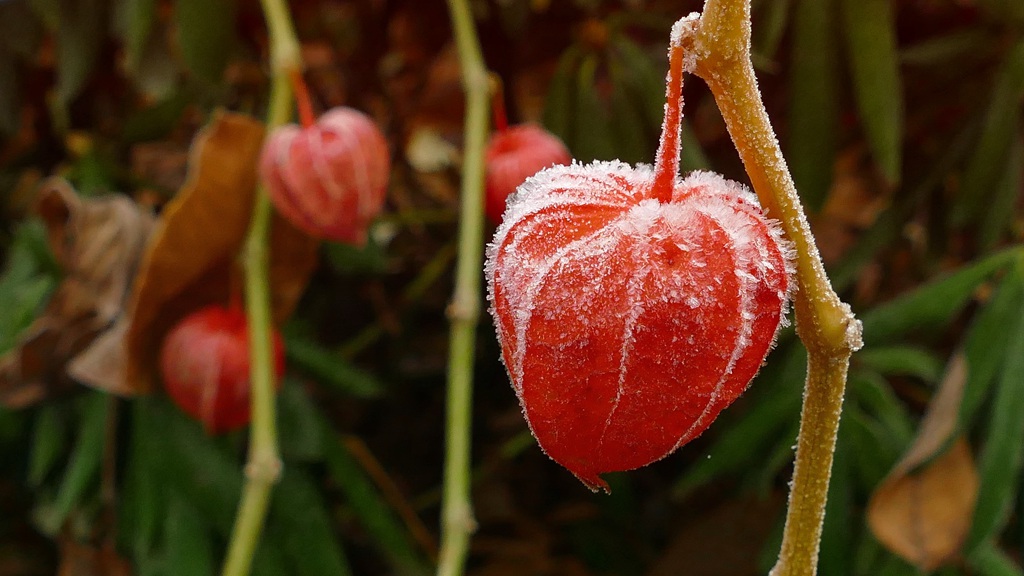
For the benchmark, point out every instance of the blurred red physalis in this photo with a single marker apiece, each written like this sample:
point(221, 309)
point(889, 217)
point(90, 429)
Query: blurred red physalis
point(328, 178)
point(632, 305)
point(204, 361)
point(513, 155)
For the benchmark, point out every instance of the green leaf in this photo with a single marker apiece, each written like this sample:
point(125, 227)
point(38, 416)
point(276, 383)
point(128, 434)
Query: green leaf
point(933, 305)
point(868, 554)
point(206, 36)
point(874, 395)
point(692, 156)
point(871, 48)
point(189, 539)
point(592, 138)
point(79, 34)
point(872, 454)
point(597, 545)
point(302, 529)
point(157, 120)
point(26, 299)
point(813, 116)
point(191, 462)
point(376, 517)
point(135, 20)
point(1001, 457)
point(985, 347)
point(559, 106)
point(83, 467)
point(988, 560)
point(900, 360)
point(646, 76)
point(836, 537)
point(943, 49)
point(269, 561)
point(301, 437)
point(632, 144)
point(878, 426)
point(12, 428)
point(368, 260)
point(306, 355)
point(144, 496)
point(987, 165)
point(770, 25)
point(28, 279)
point(1000, 211)
point(156, 73)
point(48, 11)
point(776, 458)
point(49, 441)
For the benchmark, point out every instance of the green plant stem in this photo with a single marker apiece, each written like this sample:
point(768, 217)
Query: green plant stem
point(720, 44)
point(264, 461)
point(457, 521)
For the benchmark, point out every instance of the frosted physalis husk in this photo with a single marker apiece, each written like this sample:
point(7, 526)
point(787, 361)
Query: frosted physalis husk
point(632, 306)
point(328, 179)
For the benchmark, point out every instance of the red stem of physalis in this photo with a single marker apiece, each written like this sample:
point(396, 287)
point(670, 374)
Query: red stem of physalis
point(666, 162)
point(302, 99)
point(498, 104)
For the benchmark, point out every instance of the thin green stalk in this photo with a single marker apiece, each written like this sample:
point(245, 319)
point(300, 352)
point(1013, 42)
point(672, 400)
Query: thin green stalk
point(719, 43)
point(457, 521)
point(264, 462)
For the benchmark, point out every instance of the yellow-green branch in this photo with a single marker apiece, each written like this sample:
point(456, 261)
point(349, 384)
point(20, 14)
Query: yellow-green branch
point(264, 462)
point(457, 521)
point(719, 45)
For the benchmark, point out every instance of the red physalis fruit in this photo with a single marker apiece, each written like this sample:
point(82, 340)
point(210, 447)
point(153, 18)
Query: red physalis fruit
point(513, 155)
point(633, 306)
point(328, 179)
point(205, 365)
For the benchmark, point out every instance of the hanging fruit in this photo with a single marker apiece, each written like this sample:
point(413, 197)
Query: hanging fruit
point(204, 361)
point(328, 178)
point(633, 306)
point(514, 153)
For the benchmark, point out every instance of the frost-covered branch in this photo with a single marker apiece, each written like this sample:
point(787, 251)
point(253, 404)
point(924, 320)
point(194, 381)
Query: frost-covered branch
point(457, 521)
point(718, 46)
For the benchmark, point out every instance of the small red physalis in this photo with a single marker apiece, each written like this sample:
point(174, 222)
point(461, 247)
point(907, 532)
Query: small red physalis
point(328, 177)
point(204, 361)
point(514, 154)
point(632, 305)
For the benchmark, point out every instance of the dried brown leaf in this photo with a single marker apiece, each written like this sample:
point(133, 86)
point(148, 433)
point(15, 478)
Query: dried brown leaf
point(922, 511)
point(940, 420)
point(97, 242)
point(192, 258)
point(924, 516)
